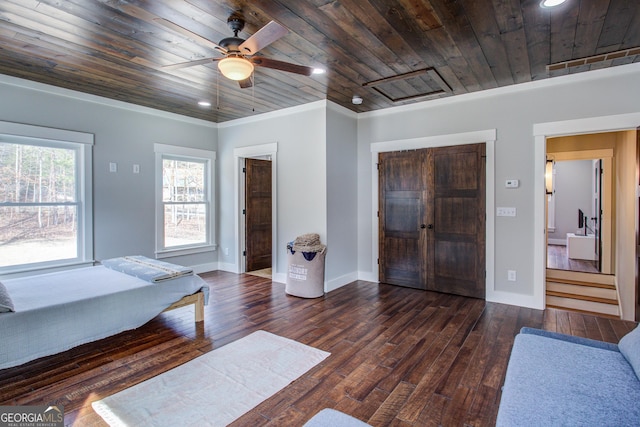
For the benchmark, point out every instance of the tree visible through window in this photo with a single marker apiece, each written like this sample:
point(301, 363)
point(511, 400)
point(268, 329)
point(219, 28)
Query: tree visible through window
point(184, 199)
point(185, 204)
point(39, 204)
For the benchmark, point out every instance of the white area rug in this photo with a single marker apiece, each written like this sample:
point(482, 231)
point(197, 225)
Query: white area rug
point(215, 388)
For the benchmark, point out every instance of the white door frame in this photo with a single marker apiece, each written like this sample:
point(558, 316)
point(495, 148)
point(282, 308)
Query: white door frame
point(239, 154)
point(542, 131)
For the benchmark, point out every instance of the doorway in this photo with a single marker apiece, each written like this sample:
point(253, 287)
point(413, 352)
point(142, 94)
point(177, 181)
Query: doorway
point(264, 152)
point(580, 220)
point(257, 215)
point(432, 219)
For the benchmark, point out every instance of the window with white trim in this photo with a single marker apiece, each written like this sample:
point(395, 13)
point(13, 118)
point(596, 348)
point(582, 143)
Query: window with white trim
point(45, 198)
point(184, 200)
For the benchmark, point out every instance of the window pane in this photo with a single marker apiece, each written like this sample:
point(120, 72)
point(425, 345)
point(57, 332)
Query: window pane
point(34, 174)
point(183, 181)
point(37, 234)
point(185, 225)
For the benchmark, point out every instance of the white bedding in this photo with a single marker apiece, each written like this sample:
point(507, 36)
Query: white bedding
point(58, 311)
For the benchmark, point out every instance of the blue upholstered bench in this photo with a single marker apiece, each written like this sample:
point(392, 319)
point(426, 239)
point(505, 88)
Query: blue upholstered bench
point(560, 380)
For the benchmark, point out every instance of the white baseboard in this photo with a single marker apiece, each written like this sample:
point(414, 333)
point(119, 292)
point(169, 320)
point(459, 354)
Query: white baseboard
point(339, 282)
point(204, 268)
point(231, 268)
point(368, 276)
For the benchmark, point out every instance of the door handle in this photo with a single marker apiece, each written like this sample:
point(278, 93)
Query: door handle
point(423, 226)
point(430, 226)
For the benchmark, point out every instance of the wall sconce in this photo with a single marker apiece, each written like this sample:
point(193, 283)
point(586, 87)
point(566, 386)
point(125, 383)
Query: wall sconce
point(548, 176)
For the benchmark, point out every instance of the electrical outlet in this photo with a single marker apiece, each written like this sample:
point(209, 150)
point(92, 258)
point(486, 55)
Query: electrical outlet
point(113, 167)
point(511, 275)
point(136, 168)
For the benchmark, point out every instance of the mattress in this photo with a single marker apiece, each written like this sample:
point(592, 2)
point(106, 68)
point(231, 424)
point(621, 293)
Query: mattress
point(58, 311)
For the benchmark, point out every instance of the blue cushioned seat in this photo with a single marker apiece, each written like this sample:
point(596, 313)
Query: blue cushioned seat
point(559, 380)
point(332, 418)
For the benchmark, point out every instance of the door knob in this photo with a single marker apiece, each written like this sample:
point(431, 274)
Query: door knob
point(423, 226)
point(430, 226)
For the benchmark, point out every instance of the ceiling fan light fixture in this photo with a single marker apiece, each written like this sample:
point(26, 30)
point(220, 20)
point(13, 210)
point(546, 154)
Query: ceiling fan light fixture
point(551, 3)
point(235, 68)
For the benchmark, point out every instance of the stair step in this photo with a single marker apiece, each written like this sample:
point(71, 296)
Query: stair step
point(581, 283)
point(583, 297)
point(591, 291)
point(568, 303)
point(562, 275)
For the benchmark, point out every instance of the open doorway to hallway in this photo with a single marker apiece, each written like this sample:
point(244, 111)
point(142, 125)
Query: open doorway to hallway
point(584, 222)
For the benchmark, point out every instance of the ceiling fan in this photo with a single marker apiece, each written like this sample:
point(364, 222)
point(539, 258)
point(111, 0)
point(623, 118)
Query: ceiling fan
point(239, 60)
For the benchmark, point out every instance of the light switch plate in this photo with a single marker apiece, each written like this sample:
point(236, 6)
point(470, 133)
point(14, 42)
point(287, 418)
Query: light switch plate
point(512, 183)
point(506, 211)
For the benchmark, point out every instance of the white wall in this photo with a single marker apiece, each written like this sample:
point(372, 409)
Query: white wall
point(123, 202)
point(301, 201)
point(342, 207)
point(513, 112)
point(573, 190)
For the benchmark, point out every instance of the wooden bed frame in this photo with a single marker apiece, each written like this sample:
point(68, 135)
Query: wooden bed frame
point(197, 299)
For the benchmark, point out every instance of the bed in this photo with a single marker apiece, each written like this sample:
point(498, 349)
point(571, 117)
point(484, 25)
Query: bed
point(58, 311)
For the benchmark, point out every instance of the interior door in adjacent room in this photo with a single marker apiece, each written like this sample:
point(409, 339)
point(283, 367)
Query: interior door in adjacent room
point(258, 214)
point(432, 219)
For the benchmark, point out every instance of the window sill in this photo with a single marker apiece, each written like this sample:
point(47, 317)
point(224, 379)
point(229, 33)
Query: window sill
point(168, 253)
point(21, 272)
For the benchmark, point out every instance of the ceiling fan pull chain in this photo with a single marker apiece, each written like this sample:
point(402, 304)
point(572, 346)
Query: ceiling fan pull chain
point(218, 89)
point(253, 92)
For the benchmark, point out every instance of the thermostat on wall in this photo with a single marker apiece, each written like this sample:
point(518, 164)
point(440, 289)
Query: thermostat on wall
point(512, 183)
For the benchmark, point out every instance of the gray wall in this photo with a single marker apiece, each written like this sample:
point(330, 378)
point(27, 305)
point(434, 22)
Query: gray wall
point(342, 186)
point(513, 112)
point(301, 176)
point(124, 203)
point(573, 190)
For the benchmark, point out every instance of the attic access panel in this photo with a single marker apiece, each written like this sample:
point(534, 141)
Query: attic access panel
point(411, 86)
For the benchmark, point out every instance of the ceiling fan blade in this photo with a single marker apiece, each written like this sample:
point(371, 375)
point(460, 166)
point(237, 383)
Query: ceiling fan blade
point(264, 37)
point(281, 65)
point(248, 82)
point(189, 34)
point(189, 63)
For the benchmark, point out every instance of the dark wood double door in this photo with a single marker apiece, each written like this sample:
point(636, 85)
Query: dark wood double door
point(432, 219)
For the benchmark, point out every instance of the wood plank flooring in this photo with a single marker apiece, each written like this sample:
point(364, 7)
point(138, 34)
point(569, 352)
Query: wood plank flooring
point(399, 356)
point(557, 259)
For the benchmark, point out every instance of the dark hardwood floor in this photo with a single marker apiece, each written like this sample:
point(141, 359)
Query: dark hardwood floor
point(557, 259)
point(399, 356)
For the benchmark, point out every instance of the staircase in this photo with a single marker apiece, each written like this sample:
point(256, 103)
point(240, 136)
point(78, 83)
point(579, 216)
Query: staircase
point(584, 292)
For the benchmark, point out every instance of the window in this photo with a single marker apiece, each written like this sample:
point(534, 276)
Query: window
point(184, 195)
point(45, 207)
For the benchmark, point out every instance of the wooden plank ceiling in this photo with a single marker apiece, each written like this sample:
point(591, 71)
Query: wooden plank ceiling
point(389, 52)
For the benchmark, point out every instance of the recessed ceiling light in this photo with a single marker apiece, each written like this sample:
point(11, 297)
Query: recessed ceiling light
point(551, 3)
point(319, 71)
point(204, 104)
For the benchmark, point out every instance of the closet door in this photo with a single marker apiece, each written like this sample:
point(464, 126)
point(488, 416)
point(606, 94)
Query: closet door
point(402, 240)
point(456, 243)
point(432, 219)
